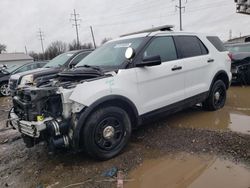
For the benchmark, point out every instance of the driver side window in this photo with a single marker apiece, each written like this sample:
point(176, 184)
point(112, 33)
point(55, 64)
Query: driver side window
point(162, 46)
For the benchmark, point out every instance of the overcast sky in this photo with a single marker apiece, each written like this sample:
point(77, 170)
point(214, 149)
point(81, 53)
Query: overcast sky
point(21, 19)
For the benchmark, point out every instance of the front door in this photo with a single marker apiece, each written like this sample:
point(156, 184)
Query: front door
point(160, 85)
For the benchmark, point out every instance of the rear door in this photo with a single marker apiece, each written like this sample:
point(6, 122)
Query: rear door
point(196, 64)
point(161, 85)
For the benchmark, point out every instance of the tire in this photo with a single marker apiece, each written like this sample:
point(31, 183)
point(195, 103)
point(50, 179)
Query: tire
point(106, 132)
point(217, 97)
point(4, 89)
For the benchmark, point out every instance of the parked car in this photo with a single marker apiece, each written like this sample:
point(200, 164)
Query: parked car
point(240, 62)
point(49, 71)
point(121, 85)
point(7, 72)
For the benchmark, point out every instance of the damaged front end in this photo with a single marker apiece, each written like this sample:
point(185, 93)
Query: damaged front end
point(46, 113)
point(38, 114)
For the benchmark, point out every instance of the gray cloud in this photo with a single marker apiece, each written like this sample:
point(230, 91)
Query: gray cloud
point(21, 19)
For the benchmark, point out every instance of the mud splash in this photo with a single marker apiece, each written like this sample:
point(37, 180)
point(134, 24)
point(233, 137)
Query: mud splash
point(235, 116)
point(189, 171)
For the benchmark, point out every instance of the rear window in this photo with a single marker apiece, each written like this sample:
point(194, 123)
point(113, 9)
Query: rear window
point(189, 46)
point(217, 43)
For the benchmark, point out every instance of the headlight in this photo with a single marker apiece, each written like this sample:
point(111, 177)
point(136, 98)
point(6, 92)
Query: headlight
point(27, 80)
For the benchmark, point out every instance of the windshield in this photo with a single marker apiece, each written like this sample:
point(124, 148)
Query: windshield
point(11, 69)
point(111, 54)
point(239, 48)
point(59, 60)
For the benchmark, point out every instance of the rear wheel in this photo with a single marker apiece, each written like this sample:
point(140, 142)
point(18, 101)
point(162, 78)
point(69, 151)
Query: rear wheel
point(217, 96)
point(4, 89)
point(106, 132)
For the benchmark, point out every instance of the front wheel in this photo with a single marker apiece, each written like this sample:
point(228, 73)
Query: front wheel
point(106, 132)
point(217, 96)
point(4, 89)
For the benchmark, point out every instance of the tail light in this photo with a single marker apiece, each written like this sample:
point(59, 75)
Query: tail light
point(230, 55)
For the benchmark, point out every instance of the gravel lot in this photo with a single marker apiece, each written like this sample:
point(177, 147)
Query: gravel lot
point(180, 133)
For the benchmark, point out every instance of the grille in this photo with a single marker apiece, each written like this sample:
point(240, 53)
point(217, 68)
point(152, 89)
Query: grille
point(13, 84)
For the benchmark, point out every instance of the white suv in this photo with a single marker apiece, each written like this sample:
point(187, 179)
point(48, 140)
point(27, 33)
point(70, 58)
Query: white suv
point(122, 84)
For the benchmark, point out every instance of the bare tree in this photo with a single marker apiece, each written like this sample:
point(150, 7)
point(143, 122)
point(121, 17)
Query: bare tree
point(55, 48)
point(74, 45)
point(2, 48)
point(105, 40)
point(87, 46)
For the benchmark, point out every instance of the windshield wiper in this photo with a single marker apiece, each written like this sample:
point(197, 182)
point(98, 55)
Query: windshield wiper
point(90, 66)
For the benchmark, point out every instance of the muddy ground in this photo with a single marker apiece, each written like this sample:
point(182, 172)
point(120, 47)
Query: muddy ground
point(193, 148)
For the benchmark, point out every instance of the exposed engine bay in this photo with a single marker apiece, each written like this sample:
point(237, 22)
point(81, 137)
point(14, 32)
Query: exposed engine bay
point(44, 113)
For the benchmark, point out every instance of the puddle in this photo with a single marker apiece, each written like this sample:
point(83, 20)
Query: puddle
point(189, 171)
point(234, 116)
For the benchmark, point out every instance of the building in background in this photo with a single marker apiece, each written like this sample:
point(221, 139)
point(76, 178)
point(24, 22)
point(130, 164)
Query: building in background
point(242, 6)
point(242, 39)
point(10, 59)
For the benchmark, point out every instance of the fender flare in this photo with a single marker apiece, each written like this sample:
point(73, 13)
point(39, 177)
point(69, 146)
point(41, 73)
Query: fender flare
point(221, 72)
point(88, 110)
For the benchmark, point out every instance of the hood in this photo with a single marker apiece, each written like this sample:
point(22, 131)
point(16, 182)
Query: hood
point(240, 58)
point(2, 74)
point(80, 73)
point(36, 73)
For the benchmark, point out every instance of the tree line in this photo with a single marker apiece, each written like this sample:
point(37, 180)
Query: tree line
point(56, 48)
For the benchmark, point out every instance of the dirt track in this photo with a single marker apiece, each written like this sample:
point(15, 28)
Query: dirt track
point(191, 137)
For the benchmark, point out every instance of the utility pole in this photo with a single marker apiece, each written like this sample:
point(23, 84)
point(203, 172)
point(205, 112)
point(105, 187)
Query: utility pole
point(26, 51)
point(41, 38)
point(93, 37)
point(75, 19)
point(230, 34)
point(180, 7)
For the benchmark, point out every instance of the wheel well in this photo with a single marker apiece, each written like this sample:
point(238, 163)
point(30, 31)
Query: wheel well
point(222, 76)
point(125, 106)
point(121, 102)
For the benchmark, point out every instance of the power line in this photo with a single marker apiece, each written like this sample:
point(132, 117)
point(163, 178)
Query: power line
point(41, 38)
point(198, 8)
point(76, 19)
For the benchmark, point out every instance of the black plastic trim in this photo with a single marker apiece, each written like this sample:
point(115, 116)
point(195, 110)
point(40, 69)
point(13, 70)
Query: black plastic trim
point(173, 108)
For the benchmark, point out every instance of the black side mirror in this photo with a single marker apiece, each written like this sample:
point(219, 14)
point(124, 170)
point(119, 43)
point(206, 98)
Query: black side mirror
point(150, 61)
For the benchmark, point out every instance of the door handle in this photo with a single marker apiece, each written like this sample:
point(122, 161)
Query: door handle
point(210, 60)
point(175, 68)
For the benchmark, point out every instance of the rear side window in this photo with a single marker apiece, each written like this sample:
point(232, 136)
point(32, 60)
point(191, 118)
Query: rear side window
point(189, 46)
point(216, 42)
point(162, 46)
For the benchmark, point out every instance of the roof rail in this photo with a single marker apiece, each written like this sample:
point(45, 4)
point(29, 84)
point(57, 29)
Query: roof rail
point(160, 28)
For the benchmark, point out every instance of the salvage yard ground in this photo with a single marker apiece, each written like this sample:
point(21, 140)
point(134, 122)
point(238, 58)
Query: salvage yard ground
point(193, 148)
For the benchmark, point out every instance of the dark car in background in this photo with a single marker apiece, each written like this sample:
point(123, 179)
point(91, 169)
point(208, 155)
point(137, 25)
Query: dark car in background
point(5, 74)
point(240, 62)
point(40, 76)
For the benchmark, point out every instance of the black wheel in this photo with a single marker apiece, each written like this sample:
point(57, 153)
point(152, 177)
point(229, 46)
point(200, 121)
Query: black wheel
point(217, 96)
point(106, 132)
point(4, 89)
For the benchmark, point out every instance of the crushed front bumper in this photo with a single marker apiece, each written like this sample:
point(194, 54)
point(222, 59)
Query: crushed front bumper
point(29, 128)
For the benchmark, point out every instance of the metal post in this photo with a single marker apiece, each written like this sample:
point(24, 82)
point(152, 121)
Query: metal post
point(92, 33)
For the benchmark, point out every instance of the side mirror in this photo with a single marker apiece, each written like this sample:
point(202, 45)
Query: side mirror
point(150, 61)
point(130, 53)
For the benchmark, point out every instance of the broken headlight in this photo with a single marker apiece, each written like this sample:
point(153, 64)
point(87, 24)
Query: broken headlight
point(27, 80)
